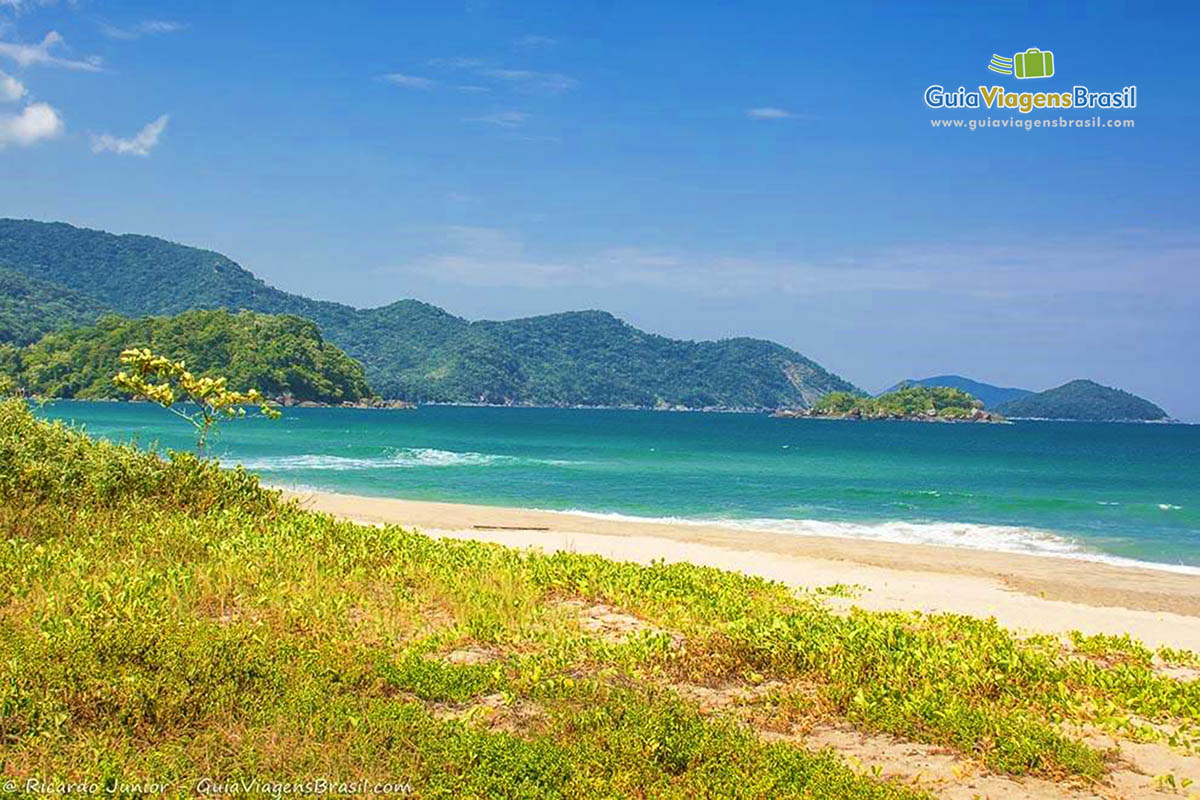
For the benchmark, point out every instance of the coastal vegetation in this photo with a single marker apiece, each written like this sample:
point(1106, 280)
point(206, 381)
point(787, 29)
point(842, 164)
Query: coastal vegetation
point(171, 385)
point(412, 350)
point(1086, 401)
point(163, 619)
point(915, 402)
point(285, 357)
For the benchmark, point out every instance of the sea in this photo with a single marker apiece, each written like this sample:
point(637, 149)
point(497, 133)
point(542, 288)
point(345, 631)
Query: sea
point(1108, 492)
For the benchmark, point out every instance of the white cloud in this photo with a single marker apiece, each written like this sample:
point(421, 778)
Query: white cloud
point(150, 27)
point(770, 112)
point(554, 82)
point(30, 55)
point(502, 119)
point(456, 62)
point(11, 89)
point(533, 40)
point(140, 145)
point(1121, 266)
point(20, 5)
point(410, 81)
point(524, 79)
point(35, 122)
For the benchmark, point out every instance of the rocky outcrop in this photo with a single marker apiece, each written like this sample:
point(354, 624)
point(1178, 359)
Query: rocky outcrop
point(976, 415)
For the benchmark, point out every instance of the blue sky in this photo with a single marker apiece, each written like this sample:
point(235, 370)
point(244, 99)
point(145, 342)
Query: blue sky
point(701, 169)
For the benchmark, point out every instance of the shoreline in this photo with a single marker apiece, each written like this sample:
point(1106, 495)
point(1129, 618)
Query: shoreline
point(769, 412)
point(1029, 593)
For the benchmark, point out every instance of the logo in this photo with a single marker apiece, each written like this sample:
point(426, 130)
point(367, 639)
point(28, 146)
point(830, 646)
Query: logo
point(1033, 63)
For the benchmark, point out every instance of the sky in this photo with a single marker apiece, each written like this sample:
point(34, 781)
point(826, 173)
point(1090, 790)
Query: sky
point(700, 169)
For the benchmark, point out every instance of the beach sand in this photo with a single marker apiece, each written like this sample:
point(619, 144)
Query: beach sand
point(1031, 594)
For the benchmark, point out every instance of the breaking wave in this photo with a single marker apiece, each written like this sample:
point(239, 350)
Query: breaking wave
point(407, 458)
point(993, 538)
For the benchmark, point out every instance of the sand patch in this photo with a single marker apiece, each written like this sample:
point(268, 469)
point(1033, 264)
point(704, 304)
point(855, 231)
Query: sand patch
point(608, 623)
point(495, 712)
point(469, 656)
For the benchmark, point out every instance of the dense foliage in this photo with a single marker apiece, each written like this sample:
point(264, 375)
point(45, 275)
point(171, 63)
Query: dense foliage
point(31, 308)
point(163, 619)
point(276, 354)
point(53, 466)
point(1083, 400)
point(415, 351)
point(990, 395)
point(940, 402)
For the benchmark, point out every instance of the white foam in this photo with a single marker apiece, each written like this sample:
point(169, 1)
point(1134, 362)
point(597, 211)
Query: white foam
point(993, 538)
point(407, 458)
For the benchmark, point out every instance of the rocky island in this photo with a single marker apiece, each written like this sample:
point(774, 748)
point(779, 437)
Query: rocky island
point(913, 403)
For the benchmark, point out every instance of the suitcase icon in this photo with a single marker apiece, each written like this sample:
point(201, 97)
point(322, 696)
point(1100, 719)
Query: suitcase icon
point(1034, 63)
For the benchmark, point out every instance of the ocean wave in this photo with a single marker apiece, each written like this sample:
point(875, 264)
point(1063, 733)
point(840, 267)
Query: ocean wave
point(407, 458)
point(974, 536)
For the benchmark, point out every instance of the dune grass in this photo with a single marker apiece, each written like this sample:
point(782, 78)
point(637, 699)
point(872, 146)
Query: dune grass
point(161, 619)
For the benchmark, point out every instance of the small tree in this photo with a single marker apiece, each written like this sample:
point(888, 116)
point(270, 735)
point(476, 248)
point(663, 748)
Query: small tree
point(166, 382)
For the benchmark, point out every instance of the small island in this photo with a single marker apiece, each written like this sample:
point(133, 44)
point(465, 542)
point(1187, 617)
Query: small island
point(913, 403)
point(1084, 401)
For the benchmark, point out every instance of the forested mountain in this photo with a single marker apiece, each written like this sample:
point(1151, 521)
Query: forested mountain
point(30, 308)
point(1083, 400)
point(991, 395)
point(278, 355)
point(415, 351)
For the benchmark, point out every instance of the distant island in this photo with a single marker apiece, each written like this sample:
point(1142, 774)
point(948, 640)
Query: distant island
point(913, 403)
point(1078, 400)
point(990, 395)
point(55, 276)
point(1085, 401)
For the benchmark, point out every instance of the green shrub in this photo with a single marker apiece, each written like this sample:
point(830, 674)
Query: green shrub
point(52, 463)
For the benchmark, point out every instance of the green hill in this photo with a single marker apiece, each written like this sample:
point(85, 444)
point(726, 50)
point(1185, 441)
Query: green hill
point(990, 395)
point(1083, 400)
point(30, 308)
point(415, 351)
point(278, 355)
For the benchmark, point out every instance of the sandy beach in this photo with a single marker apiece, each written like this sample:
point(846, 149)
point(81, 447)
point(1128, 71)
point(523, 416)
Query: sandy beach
point(1031, 594)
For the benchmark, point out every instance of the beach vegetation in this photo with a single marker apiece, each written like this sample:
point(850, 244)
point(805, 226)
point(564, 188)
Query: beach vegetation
point(203, 402)
point(161, 618)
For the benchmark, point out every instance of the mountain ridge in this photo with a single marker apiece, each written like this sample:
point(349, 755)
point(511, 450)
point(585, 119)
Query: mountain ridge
point(416, 351)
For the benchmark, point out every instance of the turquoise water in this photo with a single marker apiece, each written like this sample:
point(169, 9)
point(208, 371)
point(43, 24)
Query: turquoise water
point(1104, 491)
